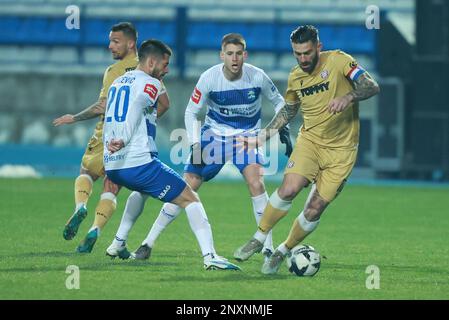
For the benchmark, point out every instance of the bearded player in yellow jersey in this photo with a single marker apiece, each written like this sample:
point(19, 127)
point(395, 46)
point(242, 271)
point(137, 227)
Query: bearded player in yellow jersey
point(122, 44)
point(326, 86)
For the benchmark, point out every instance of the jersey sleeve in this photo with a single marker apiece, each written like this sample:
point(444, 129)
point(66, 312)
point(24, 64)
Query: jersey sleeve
point(196, 102)
point(108, 78)
point(152, 89)
point(348, 65)
point(270, 91)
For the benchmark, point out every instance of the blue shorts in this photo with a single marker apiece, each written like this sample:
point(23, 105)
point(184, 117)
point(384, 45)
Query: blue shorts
point(154, 178)
point(219, 150)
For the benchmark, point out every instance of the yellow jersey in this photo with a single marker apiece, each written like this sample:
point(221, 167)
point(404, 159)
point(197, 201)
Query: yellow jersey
point(113, 72)
point(331, 78)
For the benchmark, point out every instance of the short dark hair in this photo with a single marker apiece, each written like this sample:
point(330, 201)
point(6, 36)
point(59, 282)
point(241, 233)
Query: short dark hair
point(127, 28)
point(153, 47)
point(305, 33)
point(234, 38)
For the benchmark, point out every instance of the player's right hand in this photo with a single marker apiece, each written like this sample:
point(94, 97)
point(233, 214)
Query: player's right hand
point(65, 119)
point(196, 157)
point(249, 143)
point(115, 145)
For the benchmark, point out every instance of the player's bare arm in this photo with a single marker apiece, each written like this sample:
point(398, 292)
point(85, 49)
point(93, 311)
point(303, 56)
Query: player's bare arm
point(96, 109)
point(163, 105)
point(283, 117)
point(365, 87)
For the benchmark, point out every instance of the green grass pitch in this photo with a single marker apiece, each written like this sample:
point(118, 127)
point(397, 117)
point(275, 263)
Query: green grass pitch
point(403, 230)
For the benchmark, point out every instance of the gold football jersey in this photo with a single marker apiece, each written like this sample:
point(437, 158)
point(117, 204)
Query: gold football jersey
point(332, 78)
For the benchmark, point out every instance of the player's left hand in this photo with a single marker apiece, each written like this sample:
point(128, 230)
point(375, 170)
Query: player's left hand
point(339, 104)
point(284, 136)
point(65, 119)
point(115, 145)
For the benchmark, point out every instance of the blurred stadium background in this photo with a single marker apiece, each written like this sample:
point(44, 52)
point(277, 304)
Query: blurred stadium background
point(48, 70)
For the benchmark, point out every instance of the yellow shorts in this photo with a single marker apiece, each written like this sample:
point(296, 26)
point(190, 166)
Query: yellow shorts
point(327, 167)
point(92, 160)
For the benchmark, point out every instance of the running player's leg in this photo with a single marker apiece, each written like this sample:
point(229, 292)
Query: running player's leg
point(301, 169)
point(160, 181)
point(168, 213)
point(253, 175)
point(194, 175)
point(277, 208)
point(305, 224)
point(336, 167)
point(103, 212)
point(83, 189)
point(199, 223)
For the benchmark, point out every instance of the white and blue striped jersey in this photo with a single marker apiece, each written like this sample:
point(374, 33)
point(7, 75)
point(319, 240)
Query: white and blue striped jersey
point(131, 116)
point(233, 107)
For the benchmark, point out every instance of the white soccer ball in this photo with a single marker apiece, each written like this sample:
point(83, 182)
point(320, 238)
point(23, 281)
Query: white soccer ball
point(303, 261)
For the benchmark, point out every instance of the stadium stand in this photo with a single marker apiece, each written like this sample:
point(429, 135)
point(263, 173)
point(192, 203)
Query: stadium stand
point(29, 25)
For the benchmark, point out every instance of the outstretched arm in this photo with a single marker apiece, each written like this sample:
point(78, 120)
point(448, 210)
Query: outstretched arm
point(365, 87)
point(282, 118)
point(96, 109)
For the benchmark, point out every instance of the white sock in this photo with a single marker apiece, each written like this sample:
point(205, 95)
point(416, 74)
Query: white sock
point(133, 209)
point(201, 228)
point(98, 230)
point(259, 204)
point(283, 249)
point(168, 213)
point(259, 235)
point(79, 205)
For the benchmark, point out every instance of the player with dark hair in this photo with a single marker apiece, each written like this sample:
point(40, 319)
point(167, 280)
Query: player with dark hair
point(122, 44)
point(326, 86)
point(129, 151)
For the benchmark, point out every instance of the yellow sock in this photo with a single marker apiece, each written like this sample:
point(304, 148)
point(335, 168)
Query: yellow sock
point(275, 210)
point(300, 229)
point(270, 217)
point(83, 188)
point(104, 210)
point(296, 235)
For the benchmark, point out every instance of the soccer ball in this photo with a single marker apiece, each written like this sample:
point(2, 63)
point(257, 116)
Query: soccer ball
point(303, 261)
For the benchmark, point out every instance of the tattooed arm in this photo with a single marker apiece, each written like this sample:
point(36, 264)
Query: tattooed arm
point(365, 87)
point(98, 108)
point(283, 117)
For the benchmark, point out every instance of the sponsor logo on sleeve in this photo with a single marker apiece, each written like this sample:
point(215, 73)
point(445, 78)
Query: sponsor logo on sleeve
point(196, 95)
point(151, 90)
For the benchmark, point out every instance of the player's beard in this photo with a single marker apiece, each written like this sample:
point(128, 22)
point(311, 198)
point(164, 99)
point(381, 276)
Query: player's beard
point(309, 68)
point(117, 56)
point(120, 55)
point(157, 73)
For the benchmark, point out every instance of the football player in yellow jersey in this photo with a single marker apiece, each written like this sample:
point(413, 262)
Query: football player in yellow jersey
point(326, 86)
point(122, 44)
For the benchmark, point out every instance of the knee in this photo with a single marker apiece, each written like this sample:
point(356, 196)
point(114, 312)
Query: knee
point(288, 192)
point(187, 197)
